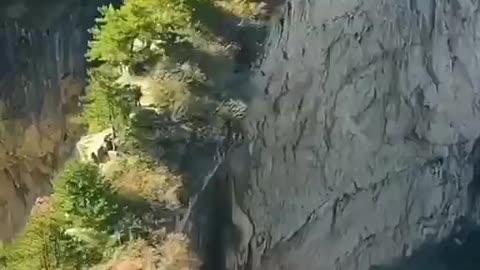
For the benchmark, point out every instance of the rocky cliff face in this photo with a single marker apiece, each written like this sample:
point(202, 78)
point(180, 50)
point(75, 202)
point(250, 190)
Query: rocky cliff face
point(362, 133)
point(42, 72)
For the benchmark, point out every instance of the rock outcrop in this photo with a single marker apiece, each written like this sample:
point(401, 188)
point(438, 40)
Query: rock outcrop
point(42, 74)
point(363, 134)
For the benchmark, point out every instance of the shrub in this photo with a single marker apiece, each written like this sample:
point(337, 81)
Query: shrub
point(175, 254)
point(168, 94)
point(135, 176)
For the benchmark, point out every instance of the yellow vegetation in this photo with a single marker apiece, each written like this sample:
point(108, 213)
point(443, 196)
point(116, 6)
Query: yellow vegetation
point(135, 177)
point(172, 253)
point(239, 8)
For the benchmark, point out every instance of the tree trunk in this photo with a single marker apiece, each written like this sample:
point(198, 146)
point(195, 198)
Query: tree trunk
point(365, 114)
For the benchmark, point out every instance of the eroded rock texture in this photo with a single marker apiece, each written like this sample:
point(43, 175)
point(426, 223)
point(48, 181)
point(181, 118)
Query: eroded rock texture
point(42, 73)
point(362, 134)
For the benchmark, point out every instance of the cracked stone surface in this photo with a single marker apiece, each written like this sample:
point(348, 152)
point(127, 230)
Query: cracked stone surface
point(362, 131)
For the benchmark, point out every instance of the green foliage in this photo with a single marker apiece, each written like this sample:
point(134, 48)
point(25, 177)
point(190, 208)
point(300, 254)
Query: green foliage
point(112, 40)
point(86, 197)
point(45, 246)
point(68, 252)
point(157, 25)
point(74, 232)
point(24, 254)
point(110, 103)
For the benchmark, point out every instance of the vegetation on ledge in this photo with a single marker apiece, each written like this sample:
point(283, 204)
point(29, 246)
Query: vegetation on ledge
point(157, 76)
point(88, 222)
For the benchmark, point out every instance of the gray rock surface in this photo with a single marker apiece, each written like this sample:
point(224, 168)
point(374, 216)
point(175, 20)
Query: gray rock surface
point(361, 131)
point(42, 73)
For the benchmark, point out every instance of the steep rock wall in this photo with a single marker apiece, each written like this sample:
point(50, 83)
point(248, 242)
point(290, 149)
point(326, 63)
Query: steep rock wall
point(362, 135)
point(42, 72)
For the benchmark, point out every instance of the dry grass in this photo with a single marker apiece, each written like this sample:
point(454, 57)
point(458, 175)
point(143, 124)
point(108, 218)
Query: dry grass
point(131, 256)
point(75, 125)
point(173, 253)
point(164, 94)
point(134, 176)
point(239, 8)
point(173, 94)
point(169, 93)
point(43, 206)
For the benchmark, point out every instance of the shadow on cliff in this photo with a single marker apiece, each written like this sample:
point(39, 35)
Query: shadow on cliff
point(459, 251)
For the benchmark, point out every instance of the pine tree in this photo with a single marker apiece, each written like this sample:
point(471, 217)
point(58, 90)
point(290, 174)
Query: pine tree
point(110, 103)
point(159, 25)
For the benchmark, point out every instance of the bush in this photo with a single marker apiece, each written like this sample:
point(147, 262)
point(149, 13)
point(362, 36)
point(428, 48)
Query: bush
point(140, 177)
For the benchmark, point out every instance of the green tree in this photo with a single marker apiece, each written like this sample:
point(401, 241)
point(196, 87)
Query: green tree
point(32, 250)
point(112, 37)
point(158, 25)
point(110, 103)
point(85, 204)
point(44, 245)
point(86, 198)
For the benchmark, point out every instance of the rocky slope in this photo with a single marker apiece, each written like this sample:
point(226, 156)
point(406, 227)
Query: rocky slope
point(363, 134)
point(42, 73)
